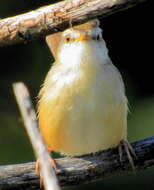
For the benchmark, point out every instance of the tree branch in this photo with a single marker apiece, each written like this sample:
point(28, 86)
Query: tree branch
point(29, 117)
point(56, 17)
point(79, 170)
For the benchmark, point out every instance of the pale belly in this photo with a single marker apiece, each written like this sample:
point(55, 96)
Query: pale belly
point(92, 130)
point(88, 120)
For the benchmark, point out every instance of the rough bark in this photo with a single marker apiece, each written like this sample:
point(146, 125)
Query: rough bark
point(57, 17)
point(79, 170)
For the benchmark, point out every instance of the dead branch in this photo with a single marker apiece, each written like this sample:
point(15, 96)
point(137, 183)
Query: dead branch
point(30, 122)
point(56, 17)
point(79, 170)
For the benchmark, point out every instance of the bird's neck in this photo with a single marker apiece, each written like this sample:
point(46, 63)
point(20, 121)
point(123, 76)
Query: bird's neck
point(76, 54)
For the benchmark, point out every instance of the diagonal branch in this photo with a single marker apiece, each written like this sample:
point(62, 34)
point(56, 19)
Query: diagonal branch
point(56, 17)
point(30, 122)
point(79, 170)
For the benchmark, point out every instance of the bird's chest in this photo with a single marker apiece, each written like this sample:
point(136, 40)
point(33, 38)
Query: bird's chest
point(89, 88)
point(84, 107)
point(85, 96)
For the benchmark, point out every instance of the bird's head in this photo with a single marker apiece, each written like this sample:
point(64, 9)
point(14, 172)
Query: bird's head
point(81, 33)
point(81, 43)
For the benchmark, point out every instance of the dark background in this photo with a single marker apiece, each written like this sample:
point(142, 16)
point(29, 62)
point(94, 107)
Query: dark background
point(129, 37)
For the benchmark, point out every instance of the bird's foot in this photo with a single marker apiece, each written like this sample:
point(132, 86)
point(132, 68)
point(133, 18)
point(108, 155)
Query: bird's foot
point(129, 151)
point(38, 166)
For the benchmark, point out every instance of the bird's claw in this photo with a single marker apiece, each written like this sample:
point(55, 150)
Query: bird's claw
point(37, 168)
point(129, 151)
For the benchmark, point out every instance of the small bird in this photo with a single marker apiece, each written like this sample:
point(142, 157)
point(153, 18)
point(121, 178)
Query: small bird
point(82, 104)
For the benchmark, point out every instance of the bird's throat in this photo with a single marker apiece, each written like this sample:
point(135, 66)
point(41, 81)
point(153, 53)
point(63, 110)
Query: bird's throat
point(75, 54)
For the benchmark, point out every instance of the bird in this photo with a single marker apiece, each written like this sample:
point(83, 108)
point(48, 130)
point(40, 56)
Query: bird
point(82, 105)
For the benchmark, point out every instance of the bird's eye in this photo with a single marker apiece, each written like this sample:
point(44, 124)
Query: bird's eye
point(68, 39)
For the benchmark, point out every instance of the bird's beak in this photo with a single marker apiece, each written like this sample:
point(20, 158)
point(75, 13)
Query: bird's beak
point(83, 37)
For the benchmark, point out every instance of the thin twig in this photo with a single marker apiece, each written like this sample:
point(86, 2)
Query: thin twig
point(30, 122)
point(57, 17)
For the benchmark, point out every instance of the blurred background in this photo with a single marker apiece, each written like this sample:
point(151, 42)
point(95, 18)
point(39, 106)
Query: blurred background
point(129, 36)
